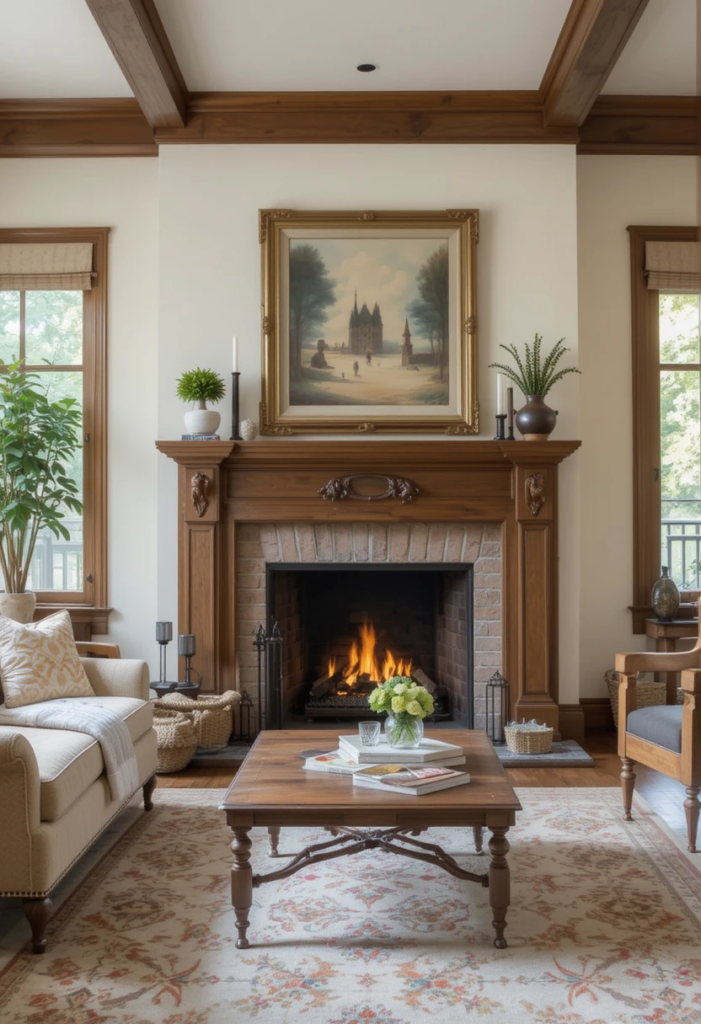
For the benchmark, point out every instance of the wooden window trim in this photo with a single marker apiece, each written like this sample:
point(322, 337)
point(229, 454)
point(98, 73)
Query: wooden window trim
point(646, 417)
point(88, 609)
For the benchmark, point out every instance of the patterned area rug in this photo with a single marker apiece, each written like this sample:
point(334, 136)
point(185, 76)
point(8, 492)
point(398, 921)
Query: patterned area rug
point(604, 928)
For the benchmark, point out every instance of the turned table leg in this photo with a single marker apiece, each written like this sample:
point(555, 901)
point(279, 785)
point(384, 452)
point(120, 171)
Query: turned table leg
point(241, 882)
point(499, 883)
point(38, 913)
point(692, 807)
point(627, 784)
point(273, 839)
point(478, 834)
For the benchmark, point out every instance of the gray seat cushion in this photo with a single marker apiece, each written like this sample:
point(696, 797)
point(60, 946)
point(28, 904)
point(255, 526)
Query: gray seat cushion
point(661, 725)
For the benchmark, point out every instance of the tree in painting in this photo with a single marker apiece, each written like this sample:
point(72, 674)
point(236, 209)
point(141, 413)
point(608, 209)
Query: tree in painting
point(430, 311)
point(311, 291)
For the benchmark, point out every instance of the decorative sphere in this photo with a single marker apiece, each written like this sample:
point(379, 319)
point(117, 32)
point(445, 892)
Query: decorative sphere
point(249, 430)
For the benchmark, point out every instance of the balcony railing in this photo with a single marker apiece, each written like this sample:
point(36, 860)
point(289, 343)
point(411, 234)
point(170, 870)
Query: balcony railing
point(681, 551)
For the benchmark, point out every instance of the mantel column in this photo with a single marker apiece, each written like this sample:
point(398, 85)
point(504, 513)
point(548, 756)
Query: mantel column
point(205, 558)
point(535, 491)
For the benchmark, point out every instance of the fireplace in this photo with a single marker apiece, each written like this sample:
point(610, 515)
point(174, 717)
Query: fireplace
point(347, 627)
point(244, 506)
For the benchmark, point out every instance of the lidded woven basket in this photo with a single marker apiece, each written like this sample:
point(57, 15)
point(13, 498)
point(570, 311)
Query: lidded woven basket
point(177, 740)
point(212, 716)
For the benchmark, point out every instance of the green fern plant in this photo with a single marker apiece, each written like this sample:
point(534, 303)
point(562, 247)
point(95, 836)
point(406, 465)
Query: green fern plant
point(201, 386)
point(535, 375)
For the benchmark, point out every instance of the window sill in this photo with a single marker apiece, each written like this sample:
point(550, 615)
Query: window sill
point(87, 620)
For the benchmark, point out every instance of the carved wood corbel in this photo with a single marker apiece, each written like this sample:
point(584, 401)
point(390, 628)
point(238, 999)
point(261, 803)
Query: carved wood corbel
point(535, 492)
point(200, 493)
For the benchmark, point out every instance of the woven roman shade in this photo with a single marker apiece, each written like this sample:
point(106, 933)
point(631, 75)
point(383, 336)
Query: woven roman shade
point(46, 266)
point(673, 266)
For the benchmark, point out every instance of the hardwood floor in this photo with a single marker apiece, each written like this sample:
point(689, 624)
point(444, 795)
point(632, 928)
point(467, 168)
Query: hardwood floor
point(664, 795)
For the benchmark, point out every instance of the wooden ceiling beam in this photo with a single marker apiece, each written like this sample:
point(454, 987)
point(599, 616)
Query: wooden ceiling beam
point(135, 34)
point(362, 117)
point(30, 128)
point(591, 41)
point(642, 126)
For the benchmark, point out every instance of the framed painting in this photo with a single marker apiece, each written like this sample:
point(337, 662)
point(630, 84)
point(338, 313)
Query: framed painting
point(369, 321)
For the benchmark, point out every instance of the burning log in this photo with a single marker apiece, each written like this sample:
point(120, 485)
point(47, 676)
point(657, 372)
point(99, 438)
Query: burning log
point(326, 684)
point(420, 677)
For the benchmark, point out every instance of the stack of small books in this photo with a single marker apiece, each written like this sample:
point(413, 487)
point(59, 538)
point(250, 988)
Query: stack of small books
point(424, 769)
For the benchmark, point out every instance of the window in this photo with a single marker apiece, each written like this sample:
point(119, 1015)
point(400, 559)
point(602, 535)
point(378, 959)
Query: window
point(680, 442)
point(59, 332)
point(666, 417)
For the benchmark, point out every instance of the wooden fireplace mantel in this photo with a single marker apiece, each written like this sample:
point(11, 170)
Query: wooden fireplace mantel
point(224, 483)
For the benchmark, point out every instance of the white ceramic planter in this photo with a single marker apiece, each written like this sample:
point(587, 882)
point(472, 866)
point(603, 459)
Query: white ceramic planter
point(202, 421)
point(19, 607)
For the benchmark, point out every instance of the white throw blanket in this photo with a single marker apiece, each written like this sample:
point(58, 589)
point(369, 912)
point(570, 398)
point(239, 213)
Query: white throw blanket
point(97, 720)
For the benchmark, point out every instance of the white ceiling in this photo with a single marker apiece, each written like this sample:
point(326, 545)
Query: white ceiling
point(316, 44)
point(660, 57)
point(53, 48)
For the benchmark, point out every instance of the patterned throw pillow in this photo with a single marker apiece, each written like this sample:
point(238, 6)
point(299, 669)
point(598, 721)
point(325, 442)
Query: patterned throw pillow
point(40, 661)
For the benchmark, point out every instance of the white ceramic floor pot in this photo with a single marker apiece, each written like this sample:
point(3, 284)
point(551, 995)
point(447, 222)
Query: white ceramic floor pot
point(202, 421)
point(19, 607)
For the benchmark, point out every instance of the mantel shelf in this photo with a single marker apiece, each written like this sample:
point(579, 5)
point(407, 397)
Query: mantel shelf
point(293, 453)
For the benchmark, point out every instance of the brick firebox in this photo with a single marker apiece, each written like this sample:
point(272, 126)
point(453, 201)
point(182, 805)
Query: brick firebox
point(478, 544)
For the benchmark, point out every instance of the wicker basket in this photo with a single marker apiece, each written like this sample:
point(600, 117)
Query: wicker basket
point(529, 741)
point(648, 694)
point(177, 740)
point(213, 717)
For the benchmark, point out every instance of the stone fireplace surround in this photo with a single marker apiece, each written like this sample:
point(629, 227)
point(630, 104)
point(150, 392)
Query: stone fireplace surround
point(494, 486)
point(363, 544)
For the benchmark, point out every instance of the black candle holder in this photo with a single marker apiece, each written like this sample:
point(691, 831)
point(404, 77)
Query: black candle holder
point(235, 435)
point(187, 650)
point(501, 420)
point(510, 413)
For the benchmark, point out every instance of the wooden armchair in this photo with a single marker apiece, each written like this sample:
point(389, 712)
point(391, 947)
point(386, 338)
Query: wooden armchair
point(667, 737)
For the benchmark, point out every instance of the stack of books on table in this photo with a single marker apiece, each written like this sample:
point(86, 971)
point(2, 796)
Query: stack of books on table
point(413, 771)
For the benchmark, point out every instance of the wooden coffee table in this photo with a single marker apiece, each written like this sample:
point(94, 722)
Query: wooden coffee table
point(271, 789)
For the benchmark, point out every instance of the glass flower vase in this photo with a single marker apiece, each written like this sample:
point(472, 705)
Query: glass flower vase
point(404, 730)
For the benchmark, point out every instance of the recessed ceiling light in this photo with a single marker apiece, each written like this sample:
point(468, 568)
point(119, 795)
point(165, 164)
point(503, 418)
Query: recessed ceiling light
point(366, 67)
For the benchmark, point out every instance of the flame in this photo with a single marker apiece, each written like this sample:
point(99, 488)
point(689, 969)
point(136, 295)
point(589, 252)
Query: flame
point(332, 667)
point(362, 661)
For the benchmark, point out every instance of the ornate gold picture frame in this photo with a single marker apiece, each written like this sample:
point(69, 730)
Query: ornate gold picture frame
point(369, 321)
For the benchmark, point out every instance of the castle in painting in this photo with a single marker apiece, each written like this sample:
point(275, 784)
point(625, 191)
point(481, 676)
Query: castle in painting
point(364, 330)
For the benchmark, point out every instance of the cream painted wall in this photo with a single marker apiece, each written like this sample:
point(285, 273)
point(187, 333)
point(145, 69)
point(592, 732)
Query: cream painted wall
point(121, 195)
point(210, 280)
point(613, 192)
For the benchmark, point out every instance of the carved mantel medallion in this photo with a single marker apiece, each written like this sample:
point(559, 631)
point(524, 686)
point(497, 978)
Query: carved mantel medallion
point(342, 488)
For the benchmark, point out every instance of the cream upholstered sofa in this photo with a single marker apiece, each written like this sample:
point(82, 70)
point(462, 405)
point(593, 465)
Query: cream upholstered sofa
point(54, 795)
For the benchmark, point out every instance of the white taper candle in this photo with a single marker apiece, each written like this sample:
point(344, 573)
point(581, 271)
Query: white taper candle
point(236, 354)
point(500, 395)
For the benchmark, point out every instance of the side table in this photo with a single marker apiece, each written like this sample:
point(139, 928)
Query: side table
point(665, 635)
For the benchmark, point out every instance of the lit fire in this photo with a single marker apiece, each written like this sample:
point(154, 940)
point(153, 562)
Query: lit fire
point(362, 660)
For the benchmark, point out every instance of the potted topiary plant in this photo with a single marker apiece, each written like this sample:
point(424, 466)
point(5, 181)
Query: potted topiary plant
point(535, 377)
point(38, 438)
point(201, 386)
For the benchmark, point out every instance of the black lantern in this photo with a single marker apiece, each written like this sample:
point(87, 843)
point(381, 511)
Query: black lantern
point(497, 707)
point(244, 734)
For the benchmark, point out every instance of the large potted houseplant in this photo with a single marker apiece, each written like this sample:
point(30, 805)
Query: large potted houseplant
point(201, 386)
point(535, 376)
point(38, 439)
